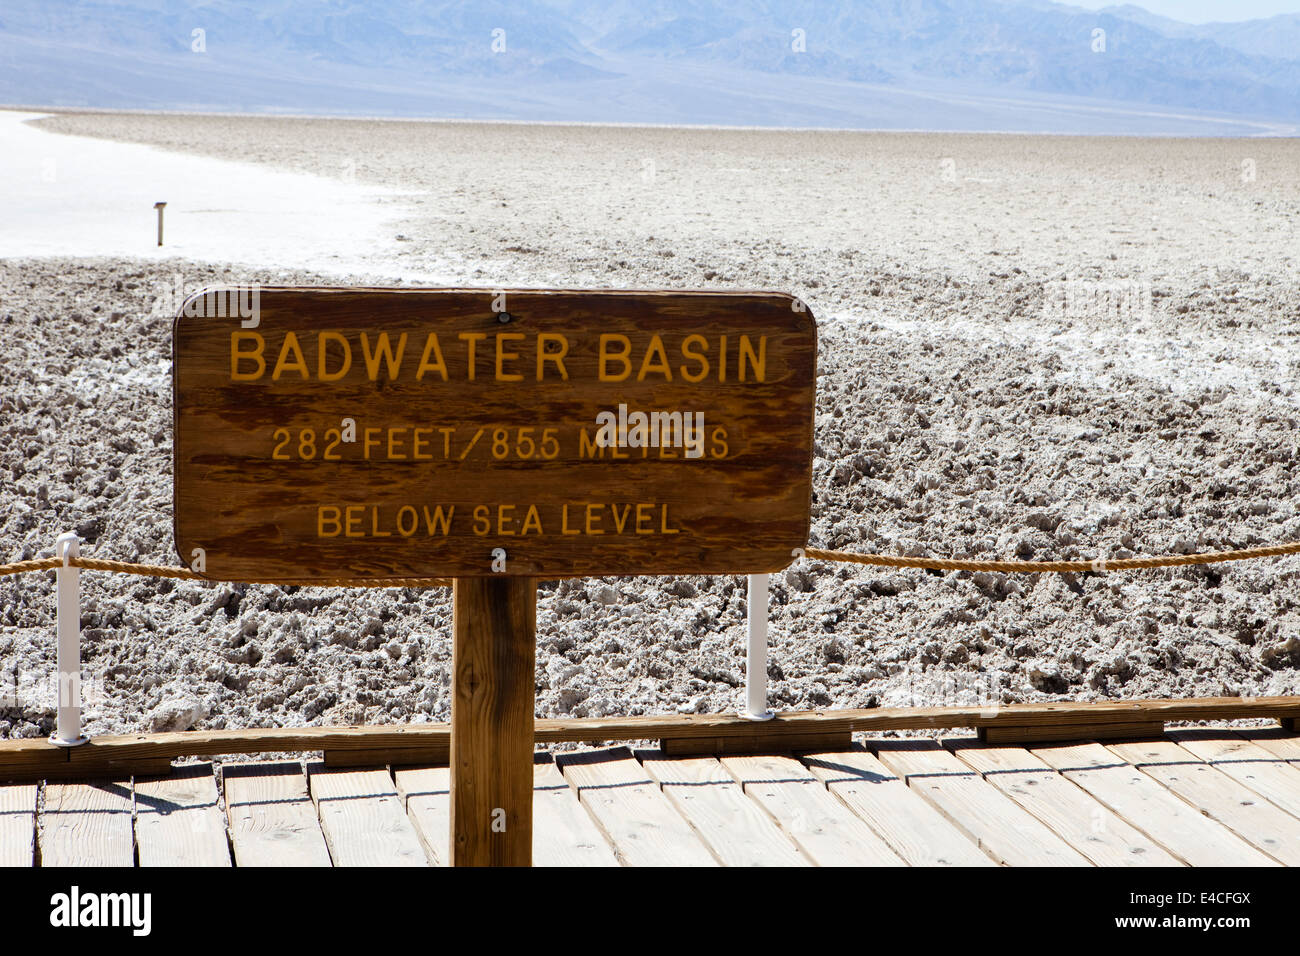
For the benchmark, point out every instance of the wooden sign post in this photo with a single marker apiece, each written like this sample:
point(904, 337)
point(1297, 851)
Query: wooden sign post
point(496, 437)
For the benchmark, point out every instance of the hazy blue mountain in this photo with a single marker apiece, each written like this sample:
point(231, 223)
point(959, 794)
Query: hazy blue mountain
point(938, 64)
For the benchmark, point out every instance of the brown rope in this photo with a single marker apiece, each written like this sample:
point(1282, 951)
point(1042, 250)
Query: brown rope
point(849, 557)
point(171, 571)
point(1036, 567)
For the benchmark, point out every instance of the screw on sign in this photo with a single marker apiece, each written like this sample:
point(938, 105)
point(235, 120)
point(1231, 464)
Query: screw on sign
point(365, 434)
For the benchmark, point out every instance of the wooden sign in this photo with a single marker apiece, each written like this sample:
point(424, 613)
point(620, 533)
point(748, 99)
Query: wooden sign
point(377, 433)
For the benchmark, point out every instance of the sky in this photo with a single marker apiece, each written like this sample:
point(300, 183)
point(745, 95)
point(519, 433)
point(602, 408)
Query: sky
point(1203, 11)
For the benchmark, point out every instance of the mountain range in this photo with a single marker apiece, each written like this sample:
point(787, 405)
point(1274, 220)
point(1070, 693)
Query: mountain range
point(1016, 65)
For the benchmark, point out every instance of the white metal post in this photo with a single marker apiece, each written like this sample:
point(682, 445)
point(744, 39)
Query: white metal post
point(756, 667)
point(68, 732)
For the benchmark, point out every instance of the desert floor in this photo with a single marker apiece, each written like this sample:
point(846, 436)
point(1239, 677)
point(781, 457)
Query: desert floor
point(1034, 347)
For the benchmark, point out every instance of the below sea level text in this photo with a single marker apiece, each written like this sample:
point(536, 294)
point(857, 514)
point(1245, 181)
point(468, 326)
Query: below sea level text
point(495, 520)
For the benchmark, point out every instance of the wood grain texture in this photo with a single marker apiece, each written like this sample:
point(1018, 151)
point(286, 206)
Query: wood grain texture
point(1152, 808)
point(564, 833)
point(1282, 744)
point(1249, 764)
point(178, 821)
point(426, 794)
point(36, 756)
point(494, 625)
point(909, 824)
point(997, 824)
point(1069, 812)
point(639, 822)
point(87, 825)
point(17, 824)
point(273, 821)
point(824, 828)
point(734, 826)
point(741, 507)
point(1030, 733)
point(1219, 796)
point(362, 818)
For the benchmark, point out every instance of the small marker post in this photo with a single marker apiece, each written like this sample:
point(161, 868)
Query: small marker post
point(159, 206)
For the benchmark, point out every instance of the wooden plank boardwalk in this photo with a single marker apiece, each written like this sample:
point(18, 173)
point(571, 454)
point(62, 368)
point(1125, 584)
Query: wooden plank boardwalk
point(1204, 797)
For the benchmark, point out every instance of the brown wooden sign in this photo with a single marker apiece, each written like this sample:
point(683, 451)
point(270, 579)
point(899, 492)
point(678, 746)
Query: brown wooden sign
point(378, 433)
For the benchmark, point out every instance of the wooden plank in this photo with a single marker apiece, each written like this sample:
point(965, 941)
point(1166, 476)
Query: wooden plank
point(1218, 796)
point(362, 818)
point(178, 822)
point(1151, 807)
point(754, 743)
point(639, 822)
point(733, 825)
point(1281, 744)
point(494, 649)
point(997, 824)
point(914, 829)
point(36, 756)
point(17, 824)
point(411, 754)
point(1021, 734)
point(273, 821)
point(86, 824)
point(1069, 812)
point(426, 795)
point(508, 424)
point(1248, 763)
point(824, 828)
point(564, 833)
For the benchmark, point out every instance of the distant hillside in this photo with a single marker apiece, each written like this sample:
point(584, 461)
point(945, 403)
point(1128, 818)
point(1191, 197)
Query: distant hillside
point(934, 64)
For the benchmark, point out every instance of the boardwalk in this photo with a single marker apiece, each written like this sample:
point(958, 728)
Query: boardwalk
point(1202, 797)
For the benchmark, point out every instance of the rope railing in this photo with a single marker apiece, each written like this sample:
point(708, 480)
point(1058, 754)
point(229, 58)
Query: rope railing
point(68, 563)
point(817, 554)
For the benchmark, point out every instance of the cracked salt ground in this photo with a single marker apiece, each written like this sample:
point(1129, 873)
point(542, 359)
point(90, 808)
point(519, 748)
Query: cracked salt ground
point(928, 442)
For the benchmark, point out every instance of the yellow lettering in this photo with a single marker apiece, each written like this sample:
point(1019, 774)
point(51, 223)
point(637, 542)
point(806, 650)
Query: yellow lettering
point(656, 347)
point(593, 526)
point(503, 356)
point(564, 522)
point(282, 364)
point(374, 524)
point(587, 447)
point(697, 356)
point(236, 353)
point(417, 444)
point(532, 520)
point(393, 446)
point(352, 519)
point(404, 529)
point(383, 350)
point(620, 522)
point(758, 362)
point(557, 358)
point(621, 356)
point(328, 515)
point(322, 372)
point(643, 516)
point(504, 512)
point(442, 519)
point(431, 348)
point(470, 339)
point(663, 520)
point(370, 440)
point(481, 523)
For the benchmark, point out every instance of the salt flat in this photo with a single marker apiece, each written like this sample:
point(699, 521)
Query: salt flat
point(1046, 347)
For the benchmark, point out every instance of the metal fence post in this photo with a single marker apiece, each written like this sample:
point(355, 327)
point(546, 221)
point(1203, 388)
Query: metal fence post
point(68, 577)
point(756, 666)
